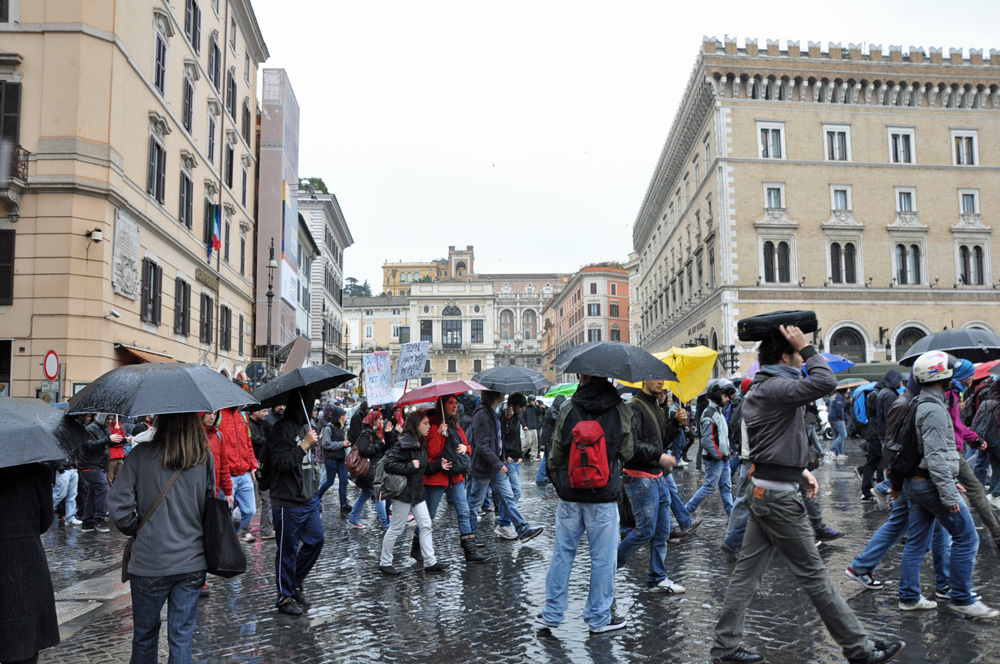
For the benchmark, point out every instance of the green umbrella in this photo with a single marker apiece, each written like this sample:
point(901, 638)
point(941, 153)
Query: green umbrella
point(563, 389)
point(851, 382)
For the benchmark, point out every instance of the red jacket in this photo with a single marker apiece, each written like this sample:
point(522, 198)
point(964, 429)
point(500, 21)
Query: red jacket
point(222, 480)
point(117, 450)
point(235, 433)
point(435, 446)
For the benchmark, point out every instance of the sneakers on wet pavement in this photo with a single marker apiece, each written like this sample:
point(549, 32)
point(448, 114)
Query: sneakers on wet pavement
point(541, 623)
point(884, 651)
point(740, 656)
point(865, 579)
point(975, 610)
point(922, 604)
point(616, 624)
point(669, 587)
point(288, 606)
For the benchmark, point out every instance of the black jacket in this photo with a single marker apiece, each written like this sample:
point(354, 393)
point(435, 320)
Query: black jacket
point(735, 420)
point(355, 426)
point(531, 417)
point(95, 453)
point(294, 481)
point(650, 437)
point(486, 444)
point(549, 424)
point(372, 448)
point(888, 390)
point(399, 461)
point(333, 447)
point(597, 400)
point(260, 434)
point(511, 430)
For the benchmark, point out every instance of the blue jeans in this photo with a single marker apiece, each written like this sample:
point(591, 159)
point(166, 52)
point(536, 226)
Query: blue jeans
point(840, 435)
point(716, 475)
point(650, 499)
point(740, 514)
point(925, 507)
point(335, 469)
point(456, 494)
point(600, 522)
point(542, 475)
point(95, 505)
point(66, 485)
point(244, 498)
point(514, 477)
point(148, 595)
point(888, 534)
point(501, 484)
point(299, 534)
point(359, 503)
point(680, 512)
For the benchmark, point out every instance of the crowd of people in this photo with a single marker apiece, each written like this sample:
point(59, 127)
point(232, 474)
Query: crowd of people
point(611, 462)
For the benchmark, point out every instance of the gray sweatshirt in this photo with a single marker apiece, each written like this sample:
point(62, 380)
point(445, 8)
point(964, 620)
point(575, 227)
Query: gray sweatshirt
point(171, 541)
point(936, 442)
point(714, 433)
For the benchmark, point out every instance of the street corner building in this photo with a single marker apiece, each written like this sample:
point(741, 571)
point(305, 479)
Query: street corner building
point(857, 183)
point(127, 186)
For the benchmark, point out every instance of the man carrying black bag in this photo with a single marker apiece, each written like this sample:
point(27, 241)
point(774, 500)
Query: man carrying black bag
point(773, 412)
point(294, 505)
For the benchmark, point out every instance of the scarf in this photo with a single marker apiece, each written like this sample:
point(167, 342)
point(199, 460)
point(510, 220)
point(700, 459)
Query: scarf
point(781, 371)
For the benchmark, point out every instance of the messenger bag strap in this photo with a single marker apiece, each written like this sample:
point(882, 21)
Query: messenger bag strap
point(159, 499)
point(649, 409)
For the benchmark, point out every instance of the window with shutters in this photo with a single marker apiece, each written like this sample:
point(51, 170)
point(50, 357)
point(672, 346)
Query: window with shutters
point(477, 366)
point(214, 62)
point(966, 147)
point(477, 330)
point(902, 145)
point(612, 309)
point(156, 178)
point(160, 62)
point(5, 11)
point(245, 124)
point(230, 156)
point(837, 142)
point(772, 140)
point(243, 195)
point(232, 33)
point(225, 328)
point(246, 68)
point(186, 213)
point(152, 292)
point(209, 229)
point(205, 328)
point(593, 309)
point(192, 24)
point(231, 94)
point(10, 113)
point(616, 334)
point(7, 266)
point(182, 307)
point(211, 139)
point(187, 110)
point(593, 289)
point(239, 337)
point(243, 253)
point(593, 335)
point(452, 366)
point(226, 237)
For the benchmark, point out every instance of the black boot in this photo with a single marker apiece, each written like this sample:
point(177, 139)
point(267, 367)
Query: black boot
point(415, 549)
point(472, 554)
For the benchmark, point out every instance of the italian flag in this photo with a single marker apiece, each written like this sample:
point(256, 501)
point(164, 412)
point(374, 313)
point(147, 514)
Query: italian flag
point(216, 241)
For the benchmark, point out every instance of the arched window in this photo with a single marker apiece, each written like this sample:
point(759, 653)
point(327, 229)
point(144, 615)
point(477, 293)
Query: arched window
point(914, 264)
point(906, 338)
point(848, 342)
point(971, 265)
point(769, 262)
point(850, 264)
point(843, 263)
point(964, 267)
point(908, 264)
point(784, 263)
point(836, 275)
point(978, 266)
point(451, 310)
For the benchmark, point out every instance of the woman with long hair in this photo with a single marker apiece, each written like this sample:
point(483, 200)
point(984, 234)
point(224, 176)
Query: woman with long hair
point(371, 445)
point(168, 556)
point(409, 459)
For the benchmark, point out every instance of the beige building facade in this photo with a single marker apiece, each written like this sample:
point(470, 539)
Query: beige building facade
point(134, 127)
point(326, 221)
point(860, 184)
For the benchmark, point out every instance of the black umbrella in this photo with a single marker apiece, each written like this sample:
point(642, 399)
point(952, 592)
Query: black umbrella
point(32, 431)
point(315, 379)
point(155, 389)
point(509, 379)
point(973, 344)
point(614, 359)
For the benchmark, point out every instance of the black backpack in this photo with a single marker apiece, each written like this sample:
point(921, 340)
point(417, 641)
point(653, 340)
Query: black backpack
point(901, 455)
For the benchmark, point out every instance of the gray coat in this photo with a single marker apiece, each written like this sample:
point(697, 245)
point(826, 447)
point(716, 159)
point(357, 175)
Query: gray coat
point(936, 442)
point(714, 433)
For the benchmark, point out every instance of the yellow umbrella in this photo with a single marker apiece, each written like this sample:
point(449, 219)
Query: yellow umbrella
point(693, 367)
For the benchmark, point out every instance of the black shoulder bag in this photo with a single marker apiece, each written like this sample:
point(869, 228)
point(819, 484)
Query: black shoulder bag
point(224, 555)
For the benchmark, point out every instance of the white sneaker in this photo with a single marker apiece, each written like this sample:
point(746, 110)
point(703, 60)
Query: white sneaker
point(976, 610)
point(669, 587)
point(921, 604)
point(505, 532)
point(74, 522)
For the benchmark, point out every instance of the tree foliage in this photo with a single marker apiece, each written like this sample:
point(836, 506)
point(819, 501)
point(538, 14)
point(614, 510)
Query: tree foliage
point(316, 184)
point(354, 289)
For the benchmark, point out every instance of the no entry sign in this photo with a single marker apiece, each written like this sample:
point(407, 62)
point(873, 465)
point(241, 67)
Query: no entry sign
point(51, 365)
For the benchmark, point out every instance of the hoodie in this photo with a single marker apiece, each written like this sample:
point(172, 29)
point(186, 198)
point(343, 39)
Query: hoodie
point(886, 391)
point(295, 482)
point(549, 424)
point(597, 400)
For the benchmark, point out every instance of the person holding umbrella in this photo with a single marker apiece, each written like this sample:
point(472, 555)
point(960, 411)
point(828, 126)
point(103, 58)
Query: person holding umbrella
point(92, 463)
point(294, 504)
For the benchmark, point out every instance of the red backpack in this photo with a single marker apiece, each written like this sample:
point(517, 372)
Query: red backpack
point(588, 456)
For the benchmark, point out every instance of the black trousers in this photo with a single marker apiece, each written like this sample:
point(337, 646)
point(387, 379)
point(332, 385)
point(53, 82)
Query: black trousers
point(872, 471)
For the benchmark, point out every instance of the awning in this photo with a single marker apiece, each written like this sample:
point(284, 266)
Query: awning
point(145, 354)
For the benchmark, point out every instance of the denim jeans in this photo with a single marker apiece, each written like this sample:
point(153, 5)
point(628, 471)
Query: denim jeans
point(650, 500)
point(600, 522)
point(95, 505)
point(716, 475)
point(363, 496)
point(244, 498)
point(740, 514)
point(542, 475)
point(680, 512)
point(334, 470)
point(925, 507)
point(299, 534)
point(501, 484)
point(840, 435)
point(181, 591)
point(457, 496)
point(514, 477)
point(66, 485)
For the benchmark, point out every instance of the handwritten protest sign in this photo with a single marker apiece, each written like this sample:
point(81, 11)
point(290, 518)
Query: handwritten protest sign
point(378, 378)
point(412, 358)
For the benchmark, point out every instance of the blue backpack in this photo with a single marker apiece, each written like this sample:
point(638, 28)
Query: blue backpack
point(860, 399)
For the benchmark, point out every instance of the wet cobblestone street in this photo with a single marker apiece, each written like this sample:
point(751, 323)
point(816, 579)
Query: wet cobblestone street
point(482, 613)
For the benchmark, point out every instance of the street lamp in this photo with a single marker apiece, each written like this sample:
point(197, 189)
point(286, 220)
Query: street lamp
point(271, 265)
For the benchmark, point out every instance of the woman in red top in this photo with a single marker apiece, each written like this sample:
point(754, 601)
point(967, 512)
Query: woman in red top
point(446, 440)
point(117, 447)
point(223, 482)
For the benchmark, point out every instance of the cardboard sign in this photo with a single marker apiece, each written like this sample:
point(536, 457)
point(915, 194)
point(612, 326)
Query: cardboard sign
point(412, 359)
point(378, 378)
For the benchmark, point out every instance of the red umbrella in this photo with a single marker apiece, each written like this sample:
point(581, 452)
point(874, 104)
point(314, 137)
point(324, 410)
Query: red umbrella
point(431, 391)
point(983, 369)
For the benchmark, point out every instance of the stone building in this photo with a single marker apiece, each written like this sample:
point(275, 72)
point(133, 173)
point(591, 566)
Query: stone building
point(128, 224)
point(594, 306)
point(856, 183)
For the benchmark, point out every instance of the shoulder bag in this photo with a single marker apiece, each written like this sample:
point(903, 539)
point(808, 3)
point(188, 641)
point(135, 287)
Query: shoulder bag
point(127, 553)
point(224, 555)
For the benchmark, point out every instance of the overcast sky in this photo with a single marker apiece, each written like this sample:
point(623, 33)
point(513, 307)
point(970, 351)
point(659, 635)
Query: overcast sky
point(527, 129)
